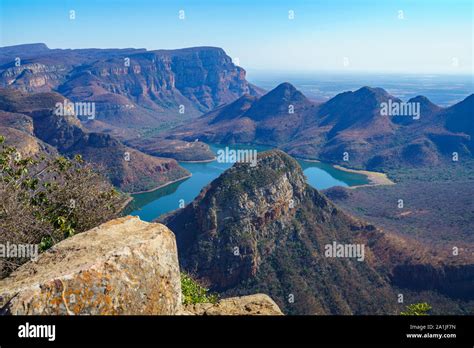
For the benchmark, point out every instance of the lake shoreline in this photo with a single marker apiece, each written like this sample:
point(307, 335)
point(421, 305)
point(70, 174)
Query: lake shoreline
point(375, 178)
point(125, 204)
point(320, 175)
point(161, 186)
point(200, 161)
point(307, 160)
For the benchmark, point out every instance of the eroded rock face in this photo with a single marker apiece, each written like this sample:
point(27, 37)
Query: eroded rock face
point(125, 266)
point(144, 94)
point(29, 122)
point(258, 304)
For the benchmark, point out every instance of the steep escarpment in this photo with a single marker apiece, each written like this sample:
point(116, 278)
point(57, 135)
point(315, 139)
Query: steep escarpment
point(263, 229)
point(18, 132)
point(455, 281)
point(132, 88)
point(30, 123)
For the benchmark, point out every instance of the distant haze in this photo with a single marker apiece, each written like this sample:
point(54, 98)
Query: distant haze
point(441, 89)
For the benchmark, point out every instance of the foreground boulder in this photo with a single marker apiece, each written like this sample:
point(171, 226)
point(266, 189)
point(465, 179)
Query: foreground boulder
point(258, 304)
point(125, 266)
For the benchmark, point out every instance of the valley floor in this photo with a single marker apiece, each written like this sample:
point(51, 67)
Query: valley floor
point(433, 205)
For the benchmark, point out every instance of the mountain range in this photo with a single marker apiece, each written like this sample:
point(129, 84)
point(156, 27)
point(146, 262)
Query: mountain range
point(255, 228)
point(349, 129)
point(134, 89)
point(155, 100)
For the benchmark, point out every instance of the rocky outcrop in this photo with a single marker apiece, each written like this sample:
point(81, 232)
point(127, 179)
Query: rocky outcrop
point(30, 123)
point(263, 229)
point(258, 304)
point(125, 266)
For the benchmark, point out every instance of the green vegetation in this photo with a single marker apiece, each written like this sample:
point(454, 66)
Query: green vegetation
point(242, 178)
point(193, 292)
point(434, 212)
point(462, 171)
point(417, 309)
point(148, 132)
point(47, 199)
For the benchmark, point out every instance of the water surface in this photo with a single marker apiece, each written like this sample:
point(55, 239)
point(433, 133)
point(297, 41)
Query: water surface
point(150, 205)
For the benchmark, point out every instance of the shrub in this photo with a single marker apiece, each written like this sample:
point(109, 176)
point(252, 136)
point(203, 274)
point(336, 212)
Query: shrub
point(417, 309)
point(47, 199)
point(193, 292)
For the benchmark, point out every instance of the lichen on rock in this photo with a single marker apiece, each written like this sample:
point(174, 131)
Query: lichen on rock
point(125, 266)
point(258, 304)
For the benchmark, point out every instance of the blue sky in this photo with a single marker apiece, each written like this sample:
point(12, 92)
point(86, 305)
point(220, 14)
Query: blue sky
point(434, 36)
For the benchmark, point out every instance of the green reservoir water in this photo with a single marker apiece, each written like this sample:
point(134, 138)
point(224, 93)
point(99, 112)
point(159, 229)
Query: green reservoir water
point(150, 205)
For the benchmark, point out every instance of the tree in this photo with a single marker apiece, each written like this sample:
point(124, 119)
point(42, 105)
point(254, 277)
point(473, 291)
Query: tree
point(48, 198)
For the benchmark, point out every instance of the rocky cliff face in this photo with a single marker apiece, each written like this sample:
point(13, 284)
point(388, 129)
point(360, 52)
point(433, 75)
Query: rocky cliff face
point(30, 123)
point(133, 88)
point(456, 281)
point(124, 266)
point(263, 229)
